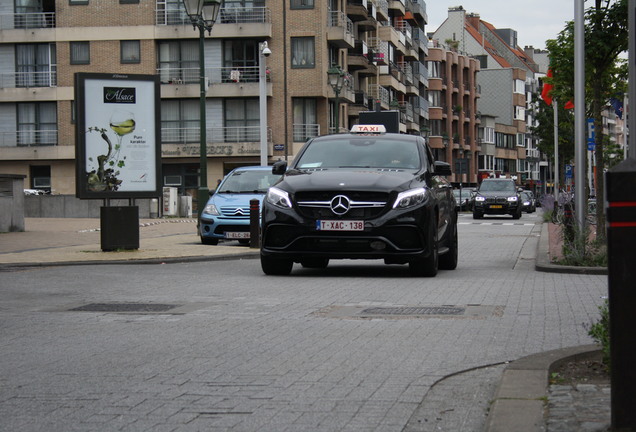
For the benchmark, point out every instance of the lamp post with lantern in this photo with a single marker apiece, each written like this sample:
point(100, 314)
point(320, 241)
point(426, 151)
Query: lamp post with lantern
point(336, 77)
point(202, 14)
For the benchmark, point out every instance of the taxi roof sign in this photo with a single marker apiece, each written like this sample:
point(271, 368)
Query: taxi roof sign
point(368, 129)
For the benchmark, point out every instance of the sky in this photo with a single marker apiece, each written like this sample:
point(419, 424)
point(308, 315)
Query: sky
point(535, 21)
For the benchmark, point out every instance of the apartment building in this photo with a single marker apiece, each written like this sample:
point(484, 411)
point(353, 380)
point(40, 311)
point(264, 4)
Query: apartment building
point(379, 45)
point(506, 79)
point(453, 114)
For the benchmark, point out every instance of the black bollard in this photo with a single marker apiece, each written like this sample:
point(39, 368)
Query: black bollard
point(621, 242)
point(255, 223)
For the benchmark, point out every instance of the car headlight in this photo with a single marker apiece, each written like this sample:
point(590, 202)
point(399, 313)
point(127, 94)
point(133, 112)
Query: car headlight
point(211, 209)
point(410, 198)
point(526, 203)
point(278, 197)
point(480, 198)
point(512, 199)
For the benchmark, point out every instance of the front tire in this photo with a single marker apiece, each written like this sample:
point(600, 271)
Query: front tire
point(276, 267)
point(477, 214)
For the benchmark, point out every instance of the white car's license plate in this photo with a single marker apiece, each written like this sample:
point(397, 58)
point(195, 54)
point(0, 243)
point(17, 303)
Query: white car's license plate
point(237, 235)
point(339, 225)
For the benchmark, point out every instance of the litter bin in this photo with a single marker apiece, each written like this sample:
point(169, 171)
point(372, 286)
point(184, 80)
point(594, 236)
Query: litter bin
point(119, 228)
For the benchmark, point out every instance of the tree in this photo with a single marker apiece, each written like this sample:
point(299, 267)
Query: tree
point(606, 37)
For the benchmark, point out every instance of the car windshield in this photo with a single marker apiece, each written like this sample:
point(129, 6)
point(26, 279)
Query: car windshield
point(497, 186)
point(248, 181)
point(360, 152)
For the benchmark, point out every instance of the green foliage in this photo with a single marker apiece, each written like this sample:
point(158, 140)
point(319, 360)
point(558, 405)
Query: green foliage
point(600, 332)
point(579, 249)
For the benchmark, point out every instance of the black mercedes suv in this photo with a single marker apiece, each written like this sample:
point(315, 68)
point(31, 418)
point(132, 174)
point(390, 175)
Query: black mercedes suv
point(497, 196)
point(363, 195)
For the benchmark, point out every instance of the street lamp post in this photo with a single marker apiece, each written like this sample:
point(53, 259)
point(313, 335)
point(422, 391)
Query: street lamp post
point(202, 14)
point(264, 52)
point(336, 81)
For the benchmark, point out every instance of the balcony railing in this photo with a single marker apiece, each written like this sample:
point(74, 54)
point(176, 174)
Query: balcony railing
point(34, 20)
point(28, 138)
point(303, 131)
point(340, 19)
point(226, 134)
point(28, 79)
point(227, 15)
point(227, 74)
point(377, 92)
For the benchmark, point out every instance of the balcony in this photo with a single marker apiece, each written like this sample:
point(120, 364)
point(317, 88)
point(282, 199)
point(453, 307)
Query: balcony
point(302, 132)
point(35, 20)
point(381, 9)
point(221, 141)
point(357, 10)
point(225, 81)
point(28, 138)
point(29, 79)
point(340, 30)
point(379, 93)
point(230, 22)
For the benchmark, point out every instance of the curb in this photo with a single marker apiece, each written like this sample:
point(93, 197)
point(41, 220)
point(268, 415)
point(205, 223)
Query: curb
point(521, 396)
point(543, 264)
point(165, 260)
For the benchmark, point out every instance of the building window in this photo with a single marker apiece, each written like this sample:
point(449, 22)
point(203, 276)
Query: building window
point(520, 87)
point(77, 2)
point(433, 69)
point(130, 51)
point(242, 120)
point(80, 53)
point(305, 119)
point(520, 113)
point(240, 61)
point(434, 98)
point(303, 52)
point(302, 4)
point(179, 61)
point(37, 123)
point(180, 121)
point(40, 177)
point(35, 65)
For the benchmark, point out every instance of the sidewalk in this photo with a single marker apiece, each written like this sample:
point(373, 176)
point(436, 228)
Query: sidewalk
point(60, 241)
point(520, 400)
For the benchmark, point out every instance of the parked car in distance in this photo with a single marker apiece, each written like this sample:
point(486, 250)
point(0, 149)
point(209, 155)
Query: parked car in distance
point(463, 198)
point(528, 202)
point(363, 195)
point(226, 215)
point(497, 196)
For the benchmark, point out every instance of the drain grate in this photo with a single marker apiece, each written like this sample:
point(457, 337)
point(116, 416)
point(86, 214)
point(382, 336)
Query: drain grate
point(125, 307)
point(410, 310)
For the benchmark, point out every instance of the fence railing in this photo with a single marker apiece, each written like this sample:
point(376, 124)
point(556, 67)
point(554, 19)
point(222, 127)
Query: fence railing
point(226, 74)
point(28, 79)
point(227, 15)
point(225, 134)
point(302, 132)
point(32, 20)
point(340, 19)
point(28, 138)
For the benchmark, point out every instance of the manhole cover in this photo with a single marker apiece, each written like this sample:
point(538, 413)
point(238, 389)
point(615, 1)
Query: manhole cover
point(125, 307)
point(426, 310)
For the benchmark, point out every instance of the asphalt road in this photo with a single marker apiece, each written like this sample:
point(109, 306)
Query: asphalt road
point(218, 346)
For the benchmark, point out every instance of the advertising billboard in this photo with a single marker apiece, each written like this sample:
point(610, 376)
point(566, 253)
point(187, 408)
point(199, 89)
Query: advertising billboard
point(118, 136)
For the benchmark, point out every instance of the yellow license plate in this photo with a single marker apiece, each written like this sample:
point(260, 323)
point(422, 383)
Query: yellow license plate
point(496, 206)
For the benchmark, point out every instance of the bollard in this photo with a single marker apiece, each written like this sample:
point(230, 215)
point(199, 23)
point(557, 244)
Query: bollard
point(254, 223)
point(621, 249)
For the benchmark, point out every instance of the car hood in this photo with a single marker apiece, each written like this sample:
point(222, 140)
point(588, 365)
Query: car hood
point(234, 199)
point(347, 180)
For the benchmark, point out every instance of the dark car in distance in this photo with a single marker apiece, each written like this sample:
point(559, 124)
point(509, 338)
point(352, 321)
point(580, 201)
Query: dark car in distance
point(363, 195)
point(528, 202)
point(497, 196)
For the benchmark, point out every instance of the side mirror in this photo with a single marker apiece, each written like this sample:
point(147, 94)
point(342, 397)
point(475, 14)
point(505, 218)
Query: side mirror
point(442, 168)
point(279, 167)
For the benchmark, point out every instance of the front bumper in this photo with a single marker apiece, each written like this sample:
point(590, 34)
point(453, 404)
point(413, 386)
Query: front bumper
point(396, 236)
point(218, 228)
